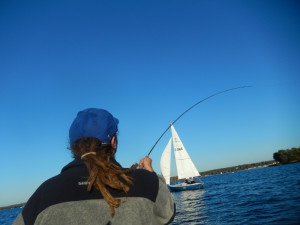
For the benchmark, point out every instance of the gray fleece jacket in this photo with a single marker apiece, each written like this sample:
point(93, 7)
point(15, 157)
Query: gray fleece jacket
point(64, 199)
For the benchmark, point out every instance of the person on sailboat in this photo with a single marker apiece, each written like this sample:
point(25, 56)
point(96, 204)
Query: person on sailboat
point(94, 188)
point(189, 181)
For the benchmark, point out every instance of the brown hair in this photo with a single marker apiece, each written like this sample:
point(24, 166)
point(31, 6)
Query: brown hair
point(103, 170)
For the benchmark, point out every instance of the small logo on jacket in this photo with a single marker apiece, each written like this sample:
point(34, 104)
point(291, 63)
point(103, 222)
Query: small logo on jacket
point(81, 183)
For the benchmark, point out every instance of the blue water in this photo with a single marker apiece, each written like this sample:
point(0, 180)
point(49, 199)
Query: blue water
point(268, 195)
point(8, 216)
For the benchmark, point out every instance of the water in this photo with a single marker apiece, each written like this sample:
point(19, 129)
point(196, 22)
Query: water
point(268, 195)
point(8, 216)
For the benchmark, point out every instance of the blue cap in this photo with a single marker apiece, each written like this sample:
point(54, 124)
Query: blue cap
point(92, 122)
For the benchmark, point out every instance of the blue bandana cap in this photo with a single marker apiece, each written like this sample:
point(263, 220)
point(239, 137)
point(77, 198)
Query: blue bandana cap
point(93, 122)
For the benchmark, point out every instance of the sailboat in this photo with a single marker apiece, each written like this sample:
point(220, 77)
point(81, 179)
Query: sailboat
point(188, 175)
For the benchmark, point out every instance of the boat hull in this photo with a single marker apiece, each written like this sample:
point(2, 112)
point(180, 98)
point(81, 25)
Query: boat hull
point(184, 186)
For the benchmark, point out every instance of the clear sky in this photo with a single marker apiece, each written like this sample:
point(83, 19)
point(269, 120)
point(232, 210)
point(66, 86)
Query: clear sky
point(146, 62)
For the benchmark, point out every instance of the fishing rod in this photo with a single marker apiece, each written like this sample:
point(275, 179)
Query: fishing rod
point(217, 93)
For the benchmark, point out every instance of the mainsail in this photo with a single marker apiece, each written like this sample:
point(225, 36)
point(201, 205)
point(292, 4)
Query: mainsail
point(185, 166)
point(165, 162)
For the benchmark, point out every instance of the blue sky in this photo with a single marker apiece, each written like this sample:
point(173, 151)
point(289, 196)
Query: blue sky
point(146, 62)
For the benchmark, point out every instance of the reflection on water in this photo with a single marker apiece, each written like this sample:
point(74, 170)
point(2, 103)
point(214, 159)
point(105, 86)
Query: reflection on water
point(190, 207)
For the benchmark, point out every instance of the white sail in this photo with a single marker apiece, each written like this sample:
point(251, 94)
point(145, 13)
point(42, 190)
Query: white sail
point(165, 162)
point(184, 164)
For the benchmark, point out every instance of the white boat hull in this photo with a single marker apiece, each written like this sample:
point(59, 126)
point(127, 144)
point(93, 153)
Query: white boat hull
point(184, 186)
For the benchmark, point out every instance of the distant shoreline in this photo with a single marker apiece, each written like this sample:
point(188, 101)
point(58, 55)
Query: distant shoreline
point(240, 167)
point(12, 206)
point(233, 169)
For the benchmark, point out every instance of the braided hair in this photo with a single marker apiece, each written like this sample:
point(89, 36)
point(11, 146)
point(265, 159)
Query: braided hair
point(103, 170)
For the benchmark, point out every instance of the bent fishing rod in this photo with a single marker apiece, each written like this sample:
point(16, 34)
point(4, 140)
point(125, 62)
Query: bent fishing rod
point(217, 93)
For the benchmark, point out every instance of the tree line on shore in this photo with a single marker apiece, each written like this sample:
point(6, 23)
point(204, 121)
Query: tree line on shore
point(12, 206)
point(287, 156)
point(233, 169)
point(280, 157)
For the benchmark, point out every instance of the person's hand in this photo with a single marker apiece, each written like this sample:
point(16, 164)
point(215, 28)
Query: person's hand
point(146, 163)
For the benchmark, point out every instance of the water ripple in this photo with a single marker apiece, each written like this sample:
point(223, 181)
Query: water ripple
point(259, 196)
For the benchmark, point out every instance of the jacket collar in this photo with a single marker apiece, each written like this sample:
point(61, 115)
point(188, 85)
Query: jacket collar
point(75, 163)
point(78, 162)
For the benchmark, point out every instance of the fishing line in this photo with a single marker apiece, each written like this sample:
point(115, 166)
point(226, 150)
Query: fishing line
point(220, 92)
